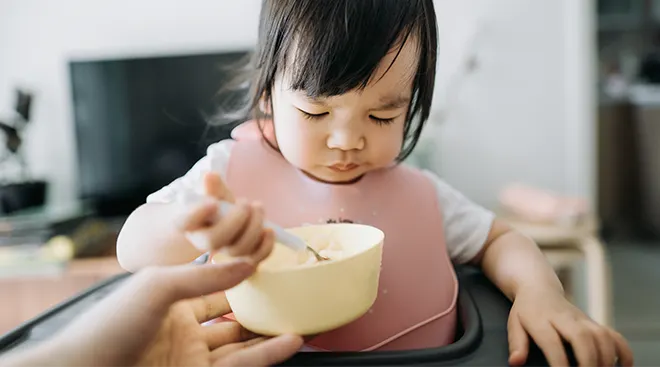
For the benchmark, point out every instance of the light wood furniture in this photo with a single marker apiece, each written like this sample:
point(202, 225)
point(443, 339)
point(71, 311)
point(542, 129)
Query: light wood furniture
point(24, 298)
point(564, 246)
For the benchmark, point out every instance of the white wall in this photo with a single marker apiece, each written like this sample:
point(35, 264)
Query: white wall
point(526, 113)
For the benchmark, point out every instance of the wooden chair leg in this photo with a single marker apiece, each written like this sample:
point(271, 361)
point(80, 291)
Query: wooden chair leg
point(598, 281)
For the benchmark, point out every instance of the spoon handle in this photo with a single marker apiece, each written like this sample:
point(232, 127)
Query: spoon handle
point(288, 239)
point(281, 235)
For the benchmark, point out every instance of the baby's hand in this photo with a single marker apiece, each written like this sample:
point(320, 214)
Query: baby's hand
point(240, 233)
point(216, 188)
point(548, 317)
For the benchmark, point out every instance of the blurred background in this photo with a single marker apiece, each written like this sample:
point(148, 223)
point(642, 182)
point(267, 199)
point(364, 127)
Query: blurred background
point(547, 111)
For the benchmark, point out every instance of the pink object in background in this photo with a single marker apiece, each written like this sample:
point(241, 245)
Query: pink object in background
point(539, 205)
point(249, 130)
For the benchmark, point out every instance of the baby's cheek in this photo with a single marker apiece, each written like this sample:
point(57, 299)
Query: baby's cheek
point(298, 153)
point(385, 143)
point(301, 157)
point(387, 152)
point(303, 147)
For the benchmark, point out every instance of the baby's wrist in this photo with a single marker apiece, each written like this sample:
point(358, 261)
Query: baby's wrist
point(540, 288)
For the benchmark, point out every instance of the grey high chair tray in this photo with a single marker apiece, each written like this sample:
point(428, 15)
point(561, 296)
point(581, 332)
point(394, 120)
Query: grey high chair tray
point(481, 338)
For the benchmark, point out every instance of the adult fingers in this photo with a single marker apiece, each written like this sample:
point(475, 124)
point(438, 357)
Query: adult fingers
point(225, 333)
point(227, 349)
point(210, 306)
point(171, 284)
point(267, 353)
point(144, 299)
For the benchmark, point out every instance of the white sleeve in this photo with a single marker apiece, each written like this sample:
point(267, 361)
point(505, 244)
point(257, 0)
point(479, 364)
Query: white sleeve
point(215, 160)
point(466, 224)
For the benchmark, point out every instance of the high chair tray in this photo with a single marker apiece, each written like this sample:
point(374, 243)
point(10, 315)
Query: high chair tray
point(481, 338)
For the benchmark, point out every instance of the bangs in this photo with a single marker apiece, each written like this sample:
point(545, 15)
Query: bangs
point(330, 47)
point(327, 48)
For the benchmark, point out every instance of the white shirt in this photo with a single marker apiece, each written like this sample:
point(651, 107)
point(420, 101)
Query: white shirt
point(466, 224)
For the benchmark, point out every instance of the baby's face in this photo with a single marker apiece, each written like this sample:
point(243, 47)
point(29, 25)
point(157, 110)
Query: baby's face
point(340, 138)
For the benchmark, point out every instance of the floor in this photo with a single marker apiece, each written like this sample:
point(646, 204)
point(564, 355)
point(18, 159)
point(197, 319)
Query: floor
point(636, 293)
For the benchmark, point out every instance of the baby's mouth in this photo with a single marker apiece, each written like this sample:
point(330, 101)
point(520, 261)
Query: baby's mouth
point(344, 167)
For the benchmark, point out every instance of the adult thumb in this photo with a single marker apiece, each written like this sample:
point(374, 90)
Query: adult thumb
point(191, 280)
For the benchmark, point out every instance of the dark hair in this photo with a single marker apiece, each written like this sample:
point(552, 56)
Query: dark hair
point(338, 46)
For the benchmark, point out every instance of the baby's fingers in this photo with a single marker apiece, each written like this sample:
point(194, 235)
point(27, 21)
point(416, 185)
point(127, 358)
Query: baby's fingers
point(623, 350)
point(604, 344)
point(196, 216)
point(223, 232)
point(248, 240)
point(518, 341)
point(231, 227)
point(215, 187)
point(549, 342)
point(581, 339)
point(265, 247)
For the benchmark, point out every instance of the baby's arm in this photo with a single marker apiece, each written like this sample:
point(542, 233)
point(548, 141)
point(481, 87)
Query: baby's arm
point(514, 262)
point(170, 238)
point(540, 310)
point(152, 236)
point(519, 269)
point(154, 233)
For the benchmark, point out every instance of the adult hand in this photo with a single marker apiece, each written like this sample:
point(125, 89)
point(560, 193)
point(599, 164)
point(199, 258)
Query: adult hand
point(155, 319)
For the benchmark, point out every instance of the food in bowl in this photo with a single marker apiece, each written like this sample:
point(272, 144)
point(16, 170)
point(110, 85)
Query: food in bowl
point(293, 293)
point(324, 245)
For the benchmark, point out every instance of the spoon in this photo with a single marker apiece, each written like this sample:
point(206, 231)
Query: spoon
point(281, 235)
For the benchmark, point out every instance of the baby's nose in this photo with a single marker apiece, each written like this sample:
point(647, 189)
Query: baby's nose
point(345, 139)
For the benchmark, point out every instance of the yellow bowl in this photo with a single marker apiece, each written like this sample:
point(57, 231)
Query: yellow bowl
point(284, 297)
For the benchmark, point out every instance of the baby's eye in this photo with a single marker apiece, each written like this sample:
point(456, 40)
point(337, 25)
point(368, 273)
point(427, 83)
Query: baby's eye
point(312, 116)
point(382, 121)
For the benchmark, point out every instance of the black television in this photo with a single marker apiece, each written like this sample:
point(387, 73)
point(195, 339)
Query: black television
point(142, 122)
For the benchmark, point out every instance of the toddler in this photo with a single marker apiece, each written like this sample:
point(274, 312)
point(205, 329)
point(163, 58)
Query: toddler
point(341, 90)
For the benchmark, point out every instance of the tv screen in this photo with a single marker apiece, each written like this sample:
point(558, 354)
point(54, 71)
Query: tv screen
point(141, 123)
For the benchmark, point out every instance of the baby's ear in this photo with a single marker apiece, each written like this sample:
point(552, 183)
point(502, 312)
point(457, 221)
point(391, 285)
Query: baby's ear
point(265, 106)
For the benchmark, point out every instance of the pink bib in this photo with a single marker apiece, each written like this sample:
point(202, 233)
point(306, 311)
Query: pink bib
point(416, 304)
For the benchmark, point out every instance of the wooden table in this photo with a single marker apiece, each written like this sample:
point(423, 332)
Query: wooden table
point(23, 298)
